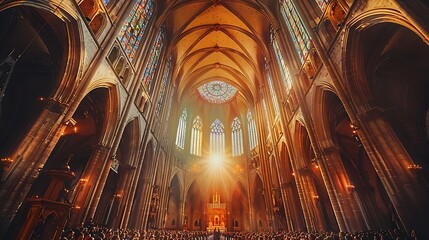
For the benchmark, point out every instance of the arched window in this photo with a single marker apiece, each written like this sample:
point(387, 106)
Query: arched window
point(237, 138)
point(299, 34)
point(217, 138)
point(181, 130)
point(272, 92)
point(170, 101)
point(197, 136)
point(152, 62)
point(163, 87)
point(322, 4)
point(287, 80)
point(134, 27)
point(267, 119)
point(253, 135)
point(113, 55)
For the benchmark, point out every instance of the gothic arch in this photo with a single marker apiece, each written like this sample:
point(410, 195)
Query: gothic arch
point(386, 82)
point(194, 206)
point(317, 207)
point(44, 54)
point(239, 208)
point(174, 199)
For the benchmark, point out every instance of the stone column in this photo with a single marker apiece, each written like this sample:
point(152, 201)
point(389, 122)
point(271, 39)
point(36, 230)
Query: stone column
point(102, 178)
point(82, 194)
point(346, 209)
point(392, 164)
point(27, 160)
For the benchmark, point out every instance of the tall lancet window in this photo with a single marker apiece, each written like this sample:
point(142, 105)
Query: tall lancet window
point(237, 138)
point(152, 62)
point(287, 80)
point(181, 130)
point(267, 119)
point(253, 135)
point(134, 28)
point(197, 136)
point(272, 91)
point(322, 4)
point(299, 34)
point(217, 138)
point(163, 87)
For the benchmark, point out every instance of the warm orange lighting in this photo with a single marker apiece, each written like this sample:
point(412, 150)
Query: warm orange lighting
point(75, 129)
point(350, 187)
point(293, 174)
point(41, 99)
point(6, 160)
point(216, 161)
point(83, 180)
point(315, 197)
point(414, 167)
point(76, 207)
point(354, 126)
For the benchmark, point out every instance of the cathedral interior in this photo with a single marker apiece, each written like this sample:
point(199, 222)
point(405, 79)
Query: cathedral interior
point(236, 115)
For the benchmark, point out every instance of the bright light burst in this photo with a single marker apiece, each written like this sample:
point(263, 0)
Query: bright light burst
point(216, 161)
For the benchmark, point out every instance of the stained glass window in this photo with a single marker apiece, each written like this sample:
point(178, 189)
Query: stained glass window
point(253, 135)
point(105, 2)
point(272, 91)
point(163, 87)
point(322, 4)
point(152, 62)
point(181, 130)
point(287, 80)
point(237, 138)
point(217, 91)
point(197, 136)
point(299, 34)
point(217, 138)
point(170, 101)
point(134, 27)
point(267, 119)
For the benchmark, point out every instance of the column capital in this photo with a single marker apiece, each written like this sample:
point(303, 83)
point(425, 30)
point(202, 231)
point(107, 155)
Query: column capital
point(54, 105)
point(328, 150)
point(101, 148)
point(371, 113)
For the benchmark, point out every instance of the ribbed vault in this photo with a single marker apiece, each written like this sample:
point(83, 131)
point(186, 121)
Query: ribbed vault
point(217, 41)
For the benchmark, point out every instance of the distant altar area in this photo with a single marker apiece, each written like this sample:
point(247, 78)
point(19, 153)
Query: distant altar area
point(216, 215)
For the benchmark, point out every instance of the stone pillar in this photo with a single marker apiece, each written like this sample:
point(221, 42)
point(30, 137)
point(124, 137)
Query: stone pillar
point(87, 186)
point(143, 199)
point(102, 178)
point(346, 209)
point(392, 164)
point(26, 161)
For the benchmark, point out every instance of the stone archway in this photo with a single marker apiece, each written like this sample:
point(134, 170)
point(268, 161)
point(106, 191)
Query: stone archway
point(116, 191)
point(144, 188)
point(259, 213)
point(173, 204)
point(318, 211)
point(239, 210)
point(292, 206)
point(387, 81)
point(194, 209)
point(30, 107)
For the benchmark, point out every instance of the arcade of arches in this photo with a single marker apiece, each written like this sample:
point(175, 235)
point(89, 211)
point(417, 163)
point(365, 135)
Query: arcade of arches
point(240, 115)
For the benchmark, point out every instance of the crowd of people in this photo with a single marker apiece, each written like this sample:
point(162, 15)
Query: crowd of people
point(103, 233)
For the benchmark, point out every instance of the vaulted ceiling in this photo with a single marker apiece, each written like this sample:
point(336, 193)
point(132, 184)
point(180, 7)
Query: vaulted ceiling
point(218, 40)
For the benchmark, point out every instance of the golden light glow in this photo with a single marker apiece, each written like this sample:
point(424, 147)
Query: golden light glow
point(216, 161)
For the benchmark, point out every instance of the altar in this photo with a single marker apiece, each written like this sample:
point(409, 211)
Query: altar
point(216, 214)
